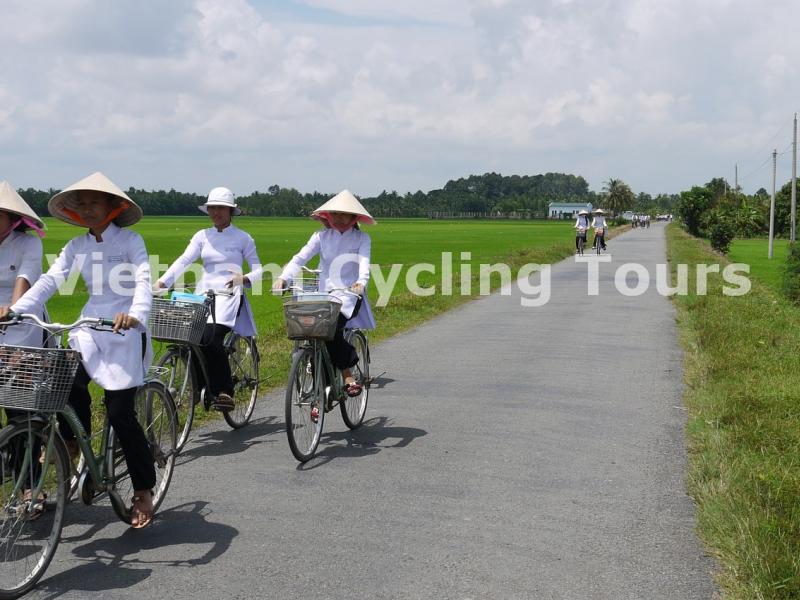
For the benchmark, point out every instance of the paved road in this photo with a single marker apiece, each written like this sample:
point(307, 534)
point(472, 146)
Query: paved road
point(509, 452)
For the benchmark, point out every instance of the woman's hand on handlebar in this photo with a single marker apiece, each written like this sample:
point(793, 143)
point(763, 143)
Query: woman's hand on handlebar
point(4, 312)
point(278, 285)
point(237, 280)
point(124, 321)
point(357, 288)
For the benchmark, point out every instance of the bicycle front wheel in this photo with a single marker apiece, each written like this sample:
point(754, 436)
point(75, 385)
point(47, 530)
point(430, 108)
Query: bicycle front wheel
point(182, 384)
point(29, 527)
point(156, 413)
point(243, 359)
point(355, 407)
point(305, 409)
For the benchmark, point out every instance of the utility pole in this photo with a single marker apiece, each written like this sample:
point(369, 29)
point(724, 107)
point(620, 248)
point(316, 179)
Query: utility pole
point(772, 202)
point(794, 180)
point(736, 180)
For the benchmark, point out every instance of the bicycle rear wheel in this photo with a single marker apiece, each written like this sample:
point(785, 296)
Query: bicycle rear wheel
point(29, 527)
point(305, 409)
point(156, 412)
point(182, 384)
point(355, 407)
point(243, 359)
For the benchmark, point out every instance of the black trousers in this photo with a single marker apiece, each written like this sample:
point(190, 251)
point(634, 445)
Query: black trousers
point(577, 238)
point(601, 239)
point(213, 350)
point(343, 355)
point(121, 412)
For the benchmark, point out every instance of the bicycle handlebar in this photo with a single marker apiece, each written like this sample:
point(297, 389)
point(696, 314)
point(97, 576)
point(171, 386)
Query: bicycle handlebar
point(209, 293)
point(299, 289)
point(93, 322)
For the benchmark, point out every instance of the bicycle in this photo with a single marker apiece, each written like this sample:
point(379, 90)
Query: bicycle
point(181, 324)
point(581, 240)
point(315, 386)
point(35, 466)
point(599, 239)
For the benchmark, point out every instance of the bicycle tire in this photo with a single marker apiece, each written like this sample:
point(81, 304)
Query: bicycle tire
point(182, 384)
point(17, 527)
point(156, 411)
point(302, 396)
point(355, 407)
point(243, 359)
point(581, 243)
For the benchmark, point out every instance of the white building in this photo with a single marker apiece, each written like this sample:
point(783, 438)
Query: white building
point(566, 210)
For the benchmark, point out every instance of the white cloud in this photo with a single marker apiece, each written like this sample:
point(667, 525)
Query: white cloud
point(205, 90)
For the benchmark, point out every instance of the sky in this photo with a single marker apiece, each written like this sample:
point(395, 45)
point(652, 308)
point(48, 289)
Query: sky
point(376, 94)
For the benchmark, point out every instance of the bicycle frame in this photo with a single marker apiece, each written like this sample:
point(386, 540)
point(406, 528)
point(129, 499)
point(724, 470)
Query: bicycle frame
point(195, 353)
point(330, 374)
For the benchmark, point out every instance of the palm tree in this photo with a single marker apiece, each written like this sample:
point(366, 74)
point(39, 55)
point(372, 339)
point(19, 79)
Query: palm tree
point(618, 196)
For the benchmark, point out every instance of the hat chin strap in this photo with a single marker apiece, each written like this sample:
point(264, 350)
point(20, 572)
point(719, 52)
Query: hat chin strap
point(109, 217)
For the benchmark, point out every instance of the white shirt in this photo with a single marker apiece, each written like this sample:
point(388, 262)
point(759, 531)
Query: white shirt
point(582, 221)
point(20, 258)
point(223, 253)
point(343, 262)
point(599, 221)
point(116, 272)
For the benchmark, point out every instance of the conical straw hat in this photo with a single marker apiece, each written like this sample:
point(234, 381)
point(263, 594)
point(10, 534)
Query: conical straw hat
point(11, 201)
point(96, 182)
point(345, 202)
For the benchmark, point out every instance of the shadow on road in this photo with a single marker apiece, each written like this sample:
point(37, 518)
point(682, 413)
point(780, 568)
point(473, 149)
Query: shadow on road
point(112, 563)
point(222, 442)
point(373, 436)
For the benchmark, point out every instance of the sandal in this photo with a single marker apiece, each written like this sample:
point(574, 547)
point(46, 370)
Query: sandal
point(141, 518)
point(223, 402)
point(353, 389)
point(35, 509)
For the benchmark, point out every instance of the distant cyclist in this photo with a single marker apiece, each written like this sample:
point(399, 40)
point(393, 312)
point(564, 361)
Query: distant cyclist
point(582, 226)
point(599, 225)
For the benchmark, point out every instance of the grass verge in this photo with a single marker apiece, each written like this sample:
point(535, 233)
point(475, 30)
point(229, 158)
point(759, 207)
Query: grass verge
point(742, 357)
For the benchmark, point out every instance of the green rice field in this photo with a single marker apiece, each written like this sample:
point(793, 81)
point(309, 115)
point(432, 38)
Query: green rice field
point(754, 253)
point(394, 241)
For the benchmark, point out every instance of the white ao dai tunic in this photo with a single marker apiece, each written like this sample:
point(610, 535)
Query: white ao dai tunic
point(116, 271)
point(223, 253)
point(344, 260)
point(20, 257)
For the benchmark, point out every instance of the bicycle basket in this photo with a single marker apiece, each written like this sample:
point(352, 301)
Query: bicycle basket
point(176, 321)
point(311, 320)
point(36, 379)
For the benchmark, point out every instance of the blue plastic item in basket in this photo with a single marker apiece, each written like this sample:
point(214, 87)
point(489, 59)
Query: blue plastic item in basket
point(187, 297)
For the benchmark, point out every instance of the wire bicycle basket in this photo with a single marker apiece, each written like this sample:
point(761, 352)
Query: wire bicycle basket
point(178, 320)
point(36, 379)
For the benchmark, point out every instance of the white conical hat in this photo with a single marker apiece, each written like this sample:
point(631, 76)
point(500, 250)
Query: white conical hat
point(11, 201)
point(583, 211)
point(221, 196)
point(345, 202)
point(99, 183)
point(599, 211)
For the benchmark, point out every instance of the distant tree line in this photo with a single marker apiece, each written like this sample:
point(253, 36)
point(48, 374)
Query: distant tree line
point(490, 193)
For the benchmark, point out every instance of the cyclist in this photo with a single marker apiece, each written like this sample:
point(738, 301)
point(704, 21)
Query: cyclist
point(114, 265)
point(581, 224)
point(344, 252)
point(223, 248)
point(20, 267)
point(20, 261)
point(599, 226)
